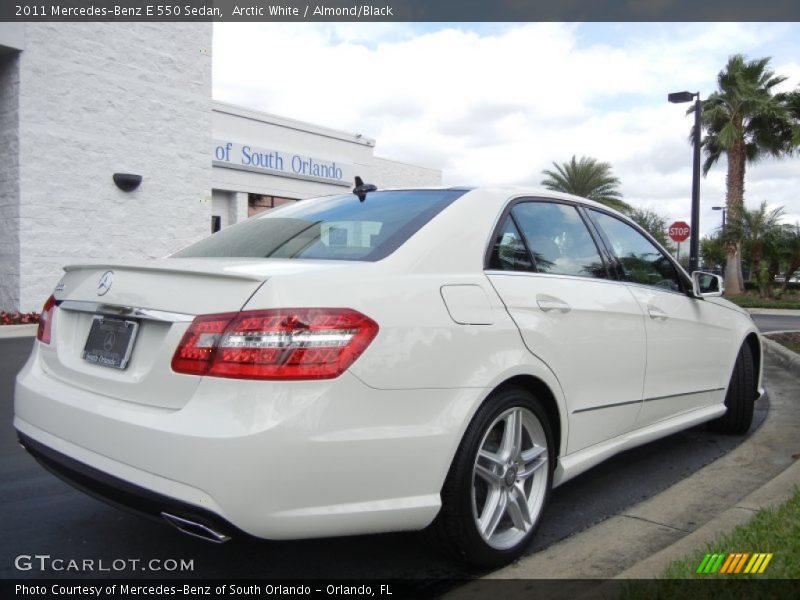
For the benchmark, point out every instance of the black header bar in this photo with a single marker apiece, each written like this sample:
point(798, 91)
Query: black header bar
point(400, 10)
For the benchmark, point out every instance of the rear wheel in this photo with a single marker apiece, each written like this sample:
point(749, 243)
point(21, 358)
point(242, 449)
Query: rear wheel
point(499, 482)
point(741, 395)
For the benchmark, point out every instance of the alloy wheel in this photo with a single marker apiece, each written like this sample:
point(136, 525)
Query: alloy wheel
point(509, 478)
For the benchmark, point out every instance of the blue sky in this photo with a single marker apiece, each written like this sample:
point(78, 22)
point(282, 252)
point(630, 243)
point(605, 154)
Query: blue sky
point(496, 103)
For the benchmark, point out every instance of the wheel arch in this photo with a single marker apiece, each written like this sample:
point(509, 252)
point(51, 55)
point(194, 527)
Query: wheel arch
point(449, 529)
point(753, 340)
point(542, 392)
point(755, 346)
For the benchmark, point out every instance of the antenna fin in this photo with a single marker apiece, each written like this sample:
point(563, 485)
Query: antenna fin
point(362, 189)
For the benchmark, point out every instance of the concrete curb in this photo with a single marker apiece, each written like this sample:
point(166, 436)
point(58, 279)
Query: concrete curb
point(772, 494)
point(788, 360)
point(17, 331)
point(642, 540)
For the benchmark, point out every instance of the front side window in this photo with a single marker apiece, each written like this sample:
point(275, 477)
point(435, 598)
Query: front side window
point(559, 240)
point(331, 228)
point(639, 260)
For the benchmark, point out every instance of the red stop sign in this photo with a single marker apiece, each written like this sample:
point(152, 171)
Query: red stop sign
point(679, 231)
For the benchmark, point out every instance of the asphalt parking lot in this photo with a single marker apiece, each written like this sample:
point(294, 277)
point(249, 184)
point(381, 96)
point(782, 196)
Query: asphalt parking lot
point(767, 323)
point(45, 516)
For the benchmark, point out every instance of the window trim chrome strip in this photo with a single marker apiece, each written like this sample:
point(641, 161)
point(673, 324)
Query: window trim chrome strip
point(587, 278)
point(115, 310)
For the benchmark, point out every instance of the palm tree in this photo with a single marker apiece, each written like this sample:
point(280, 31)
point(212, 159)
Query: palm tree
point(712, 249)
point(789, 251)
point(587, 178)
point(760, 238)
point(745, 120)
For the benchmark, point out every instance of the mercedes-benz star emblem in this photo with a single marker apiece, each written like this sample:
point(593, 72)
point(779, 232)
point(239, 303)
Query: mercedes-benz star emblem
point(105, 283)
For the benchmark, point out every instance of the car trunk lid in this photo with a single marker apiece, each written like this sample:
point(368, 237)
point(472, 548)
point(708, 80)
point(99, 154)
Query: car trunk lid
point(153, 302)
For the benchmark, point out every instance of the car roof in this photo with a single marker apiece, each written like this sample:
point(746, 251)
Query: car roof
point(510, 192)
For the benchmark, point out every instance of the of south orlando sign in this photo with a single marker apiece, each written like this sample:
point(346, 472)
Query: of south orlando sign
point(235, 155)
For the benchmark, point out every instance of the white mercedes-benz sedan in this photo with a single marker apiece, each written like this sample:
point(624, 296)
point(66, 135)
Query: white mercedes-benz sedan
point(381, 361)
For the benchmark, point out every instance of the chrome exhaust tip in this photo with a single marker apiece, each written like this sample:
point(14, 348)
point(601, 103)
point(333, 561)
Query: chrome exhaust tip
point(195, 529)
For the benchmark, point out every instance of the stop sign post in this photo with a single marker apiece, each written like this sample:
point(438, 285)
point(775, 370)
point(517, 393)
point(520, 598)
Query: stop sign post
point(679, 232)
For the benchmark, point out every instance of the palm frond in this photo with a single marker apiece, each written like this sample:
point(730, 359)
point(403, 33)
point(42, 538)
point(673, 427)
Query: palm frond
point(586, 177)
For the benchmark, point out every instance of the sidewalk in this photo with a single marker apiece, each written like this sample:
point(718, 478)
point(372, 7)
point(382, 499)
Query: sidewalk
point(782, 355)
point(639, 543)
point(772, 494)
point(778, 312)
point(15, 331)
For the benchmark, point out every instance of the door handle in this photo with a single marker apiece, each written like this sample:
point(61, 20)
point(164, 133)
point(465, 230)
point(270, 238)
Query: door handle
point(548, 303)
point(656, 313)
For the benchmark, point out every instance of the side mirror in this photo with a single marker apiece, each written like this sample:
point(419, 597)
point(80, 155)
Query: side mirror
point(706, 285)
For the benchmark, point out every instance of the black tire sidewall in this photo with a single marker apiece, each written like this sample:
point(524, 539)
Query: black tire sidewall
point(458, 503)
point(740, 395)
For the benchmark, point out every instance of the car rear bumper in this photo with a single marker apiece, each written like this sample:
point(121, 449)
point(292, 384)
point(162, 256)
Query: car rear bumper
point(277, 460)
point(123, 494)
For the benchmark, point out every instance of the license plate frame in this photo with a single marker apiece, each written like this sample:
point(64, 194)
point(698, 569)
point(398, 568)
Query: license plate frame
point(110, 342)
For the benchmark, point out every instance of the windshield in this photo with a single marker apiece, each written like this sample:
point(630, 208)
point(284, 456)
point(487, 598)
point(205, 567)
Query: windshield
point(331, 228)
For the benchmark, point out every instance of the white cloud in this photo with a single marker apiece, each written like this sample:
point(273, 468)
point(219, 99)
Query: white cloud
point(500, 106)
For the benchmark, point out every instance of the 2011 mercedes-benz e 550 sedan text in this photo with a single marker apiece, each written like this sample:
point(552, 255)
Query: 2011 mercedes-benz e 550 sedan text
point(389, 360)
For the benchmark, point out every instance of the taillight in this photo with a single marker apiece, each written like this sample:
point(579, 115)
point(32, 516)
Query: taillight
point(45, 329)
point(291, 343)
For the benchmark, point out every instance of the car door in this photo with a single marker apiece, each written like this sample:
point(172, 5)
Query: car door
point(546, 267)
point(688, 338)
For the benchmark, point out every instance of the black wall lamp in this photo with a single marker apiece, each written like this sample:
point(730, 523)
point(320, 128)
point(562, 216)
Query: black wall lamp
point(127, 182)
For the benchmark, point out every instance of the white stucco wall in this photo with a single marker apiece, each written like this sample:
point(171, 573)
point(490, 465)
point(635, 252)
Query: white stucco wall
point(391, 173)
point(100, 98)
point(12, 35)
point(9, 180)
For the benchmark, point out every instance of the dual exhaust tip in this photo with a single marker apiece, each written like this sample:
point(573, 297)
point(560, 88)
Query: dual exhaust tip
point(195, 529)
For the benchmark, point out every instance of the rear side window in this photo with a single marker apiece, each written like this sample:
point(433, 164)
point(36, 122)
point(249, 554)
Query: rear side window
point(332, 228)
point(509, 252)
point(559, 240)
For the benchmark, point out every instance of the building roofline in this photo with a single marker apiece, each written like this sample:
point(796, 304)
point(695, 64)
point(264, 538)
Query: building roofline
point(407, 164)
point(256, 115)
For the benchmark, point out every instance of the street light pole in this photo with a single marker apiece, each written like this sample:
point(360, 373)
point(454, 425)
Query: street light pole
point(724, 214)
point(724, 210)
point(694, 239)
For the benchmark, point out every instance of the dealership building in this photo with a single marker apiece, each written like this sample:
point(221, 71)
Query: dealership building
point(81, 102)
point(260, 161)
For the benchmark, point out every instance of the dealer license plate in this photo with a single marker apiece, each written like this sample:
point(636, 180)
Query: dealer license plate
point(110, 342)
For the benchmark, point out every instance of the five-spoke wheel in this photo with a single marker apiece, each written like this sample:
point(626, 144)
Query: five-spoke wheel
point(510, 477)
point(498, 484)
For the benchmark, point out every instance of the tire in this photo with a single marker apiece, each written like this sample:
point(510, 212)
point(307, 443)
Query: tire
point(740, 397)
point(492, 504)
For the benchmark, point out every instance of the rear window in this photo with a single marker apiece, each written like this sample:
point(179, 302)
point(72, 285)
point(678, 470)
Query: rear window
point(331, 228)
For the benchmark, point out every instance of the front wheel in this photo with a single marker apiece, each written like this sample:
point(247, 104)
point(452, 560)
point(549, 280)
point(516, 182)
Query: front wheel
point(741, 395)
point(499, 482)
